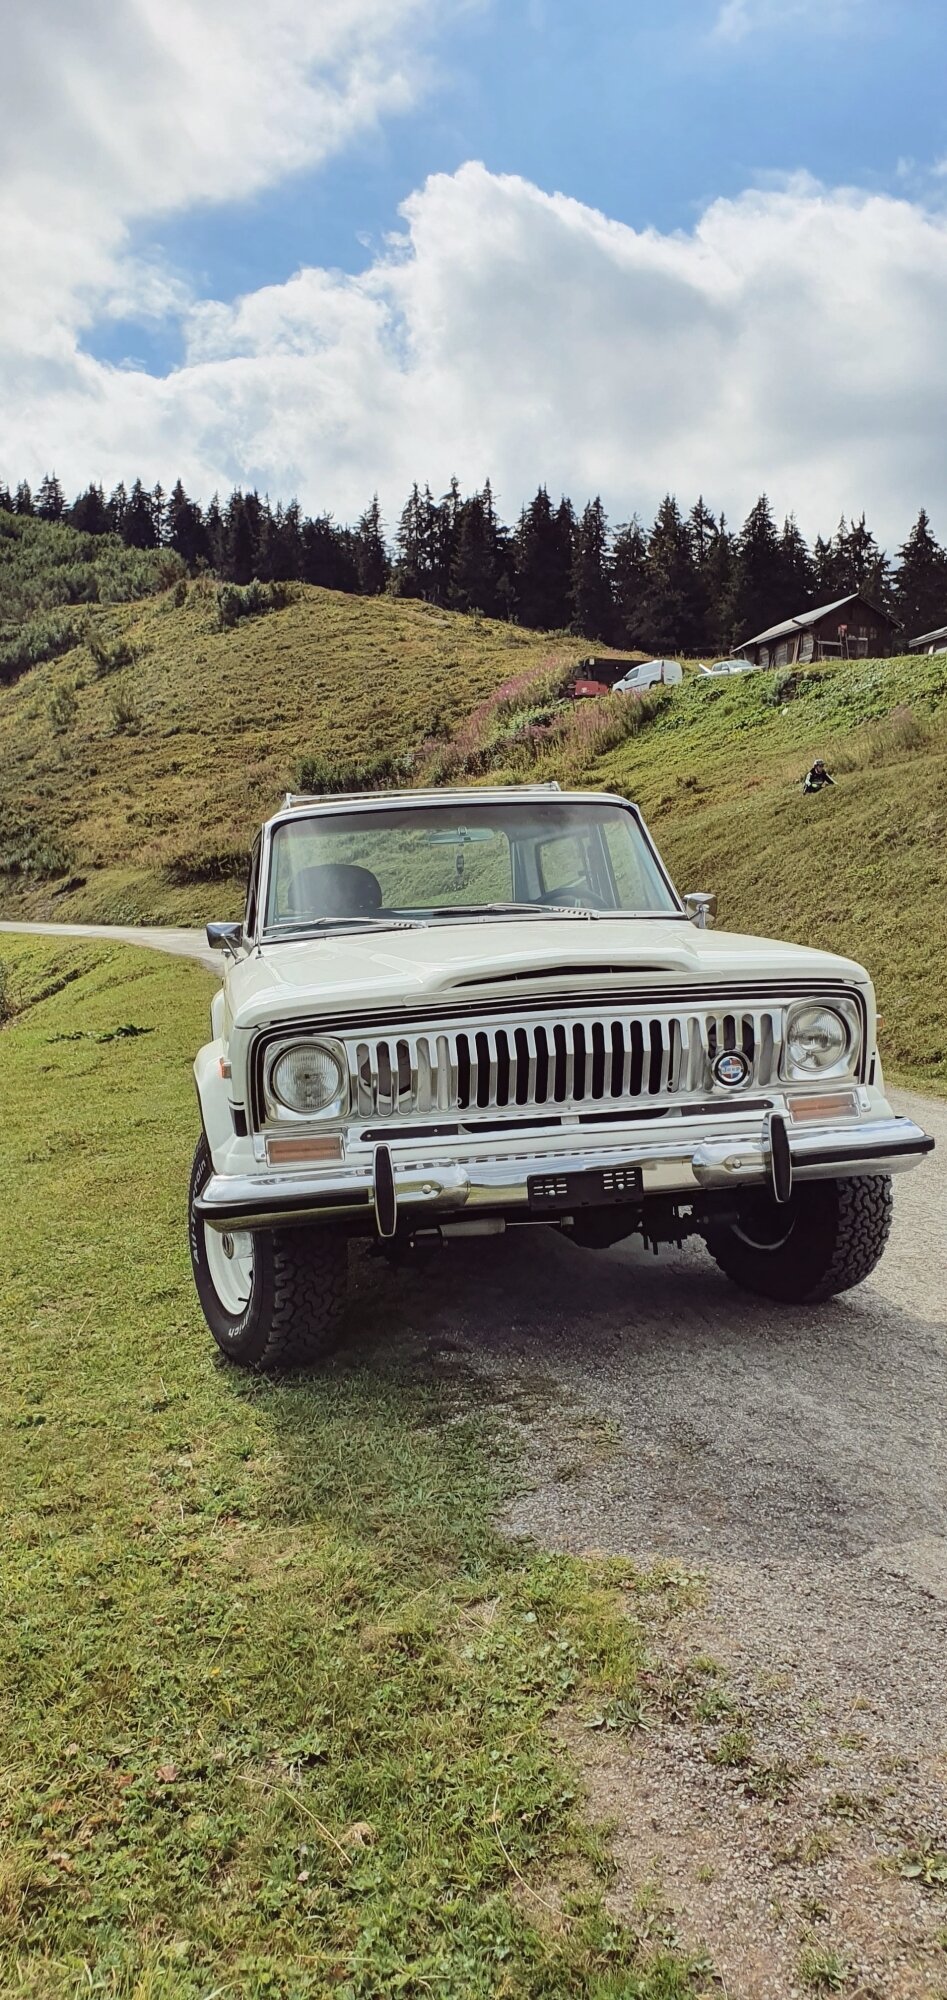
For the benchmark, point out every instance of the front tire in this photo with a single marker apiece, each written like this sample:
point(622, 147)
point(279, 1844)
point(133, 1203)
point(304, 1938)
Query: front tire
point(828, 1237)
point(273, 1298)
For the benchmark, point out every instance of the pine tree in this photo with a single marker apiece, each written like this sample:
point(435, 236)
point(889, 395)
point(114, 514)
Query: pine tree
point(23, 503)
point(138, 528)
point(444, 530)
point(215, 532)
point(671, 611)
point(757, 597)
point(6, 498)
point(322, 557)
point(702, 529)
point(184, 528)
point(240, 547)
point(717, 583)
point(591, 583)
point(824, 571)
point(411, 570)
point(860, 564)
point(371, 555)
point(286, 544)
point(89, 513)
point(629, 581)
point(50, 500)
point(473, 584)
point(797, 581)
point(118, 508)
point(920, 584)
point(260, 522)
point(543, 551)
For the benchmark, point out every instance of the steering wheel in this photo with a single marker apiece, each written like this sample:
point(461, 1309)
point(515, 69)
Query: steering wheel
point(574, 899)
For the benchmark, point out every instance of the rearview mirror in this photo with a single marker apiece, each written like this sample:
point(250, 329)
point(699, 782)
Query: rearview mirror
point(225, 937)
point(701, 907)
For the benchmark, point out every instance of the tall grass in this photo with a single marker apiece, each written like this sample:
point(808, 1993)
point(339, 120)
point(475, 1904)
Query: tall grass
point(893, 736)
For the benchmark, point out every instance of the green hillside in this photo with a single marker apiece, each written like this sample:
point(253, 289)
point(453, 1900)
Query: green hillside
point(861, 868)
point(135, 766)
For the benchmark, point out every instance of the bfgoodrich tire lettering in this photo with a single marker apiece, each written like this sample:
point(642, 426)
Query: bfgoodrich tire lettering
point(295, 1280)
point(828, 1237)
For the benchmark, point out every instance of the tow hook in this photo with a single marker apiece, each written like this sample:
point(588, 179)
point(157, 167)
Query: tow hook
point(386, 1194)
point(780, 1158)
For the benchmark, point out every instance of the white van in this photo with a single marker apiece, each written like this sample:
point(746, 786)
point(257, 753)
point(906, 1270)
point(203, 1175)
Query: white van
point(651, 673)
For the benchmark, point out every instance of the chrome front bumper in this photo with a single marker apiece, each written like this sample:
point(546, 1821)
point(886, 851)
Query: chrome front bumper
point(419, 1180)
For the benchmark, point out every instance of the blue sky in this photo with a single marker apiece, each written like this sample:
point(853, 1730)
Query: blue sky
point(634, 107)
point(328, 246)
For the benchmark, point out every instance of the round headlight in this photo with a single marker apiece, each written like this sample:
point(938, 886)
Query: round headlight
point(817, 1040)
point(307, 1078)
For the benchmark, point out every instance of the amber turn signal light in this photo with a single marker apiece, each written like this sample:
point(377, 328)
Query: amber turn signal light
point(297, 1152)
point(819, 1110)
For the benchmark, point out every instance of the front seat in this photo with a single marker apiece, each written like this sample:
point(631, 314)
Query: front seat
point(337, 889)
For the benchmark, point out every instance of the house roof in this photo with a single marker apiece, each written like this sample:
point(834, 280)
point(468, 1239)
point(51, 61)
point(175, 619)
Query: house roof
point(806, 618)
point(926, 638)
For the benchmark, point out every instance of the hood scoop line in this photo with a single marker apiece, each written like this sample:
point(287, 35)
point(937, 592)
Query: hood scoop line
point(527, 974)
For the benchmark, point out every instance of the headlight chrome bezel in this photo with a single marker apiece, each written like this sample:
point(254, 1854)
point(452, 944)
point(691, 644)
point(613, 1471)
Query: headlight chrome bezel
point(844, 1064)
point(277, 1106)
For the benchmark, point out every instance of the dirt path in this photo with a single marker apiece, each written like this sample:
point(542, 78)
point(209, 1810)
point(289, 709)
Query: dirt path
point(181, 943)
point(785, 1791)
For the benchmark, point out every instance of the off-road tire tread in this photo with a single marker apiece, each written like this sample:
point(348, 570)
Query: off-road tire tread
point(807, 1271)
point(299, 1290)
point(309, 1286)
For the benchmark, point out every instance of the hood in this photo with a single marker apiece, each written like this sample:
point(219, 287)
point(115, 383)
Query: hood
point(488, 959)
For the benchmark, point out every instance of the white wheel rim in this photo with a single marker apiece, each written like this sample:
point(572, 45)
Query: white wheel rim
point(230, 1263)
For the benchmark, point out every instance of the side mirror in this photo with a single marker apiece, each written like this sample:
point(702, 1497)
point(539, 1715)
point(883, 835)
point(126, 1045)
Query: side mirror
point(225, 937)
point(701, 908)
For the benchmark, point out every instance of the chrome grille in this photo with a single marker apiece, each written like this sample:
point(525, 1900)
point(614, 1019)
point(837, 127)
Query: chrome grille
point(603, 1059)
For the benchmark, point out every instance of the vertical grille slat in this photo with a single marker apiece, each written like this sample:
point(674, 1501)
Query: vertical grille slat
point(586, 1060)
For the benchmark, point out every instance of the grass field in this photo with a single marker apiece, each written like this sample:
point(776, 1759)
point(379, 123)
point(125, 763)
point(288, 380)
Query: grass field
point(274, 1691)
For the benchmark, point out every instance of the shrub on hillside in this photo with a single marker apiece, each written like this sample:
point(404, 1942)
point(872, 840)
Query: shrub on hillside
point(110, 654)
point(44, 564)
point(516, 714)
point(328, 776)
point(123, 710)
point(205, 864)
point(38, 855)
point(63, 709)
point(249, 600)
point(39, 640)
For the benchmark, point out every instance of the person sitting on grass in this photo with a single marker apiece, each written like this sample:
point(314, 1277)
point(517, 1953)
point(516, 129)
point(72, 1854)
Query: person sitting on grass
point(815, 779)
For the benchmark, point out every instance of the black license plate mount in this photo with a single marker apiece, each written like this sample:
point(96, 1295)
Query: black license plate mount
point(593, 1187)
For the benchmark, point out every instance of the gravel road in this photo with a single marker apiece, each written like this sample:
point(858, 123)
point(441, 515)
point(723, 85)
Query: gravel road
point(794, 1458)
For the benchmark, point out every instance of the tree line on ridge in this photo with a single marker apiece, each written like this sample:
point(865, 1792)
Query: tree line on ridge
point(688, 583)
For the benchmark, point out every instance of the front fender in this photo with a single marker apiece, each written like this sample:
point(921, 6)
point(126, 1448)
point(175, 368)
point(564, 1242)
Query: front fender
point(213, 1096)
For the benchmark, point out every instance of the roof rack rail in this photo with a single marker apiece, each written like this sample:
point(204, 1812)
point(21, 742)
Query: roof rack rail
point(293, 799)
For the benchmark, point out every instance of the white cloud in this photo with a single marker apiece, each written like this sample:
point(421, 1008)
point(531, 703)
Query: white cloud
point(112, 114)
point(792, 342)
point(738, 18)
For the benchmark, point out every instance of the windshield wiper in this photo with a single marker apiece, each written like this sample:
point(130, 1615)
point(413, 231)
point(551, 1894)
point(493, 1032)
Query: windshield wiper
point(517, 910)
point(307, 927)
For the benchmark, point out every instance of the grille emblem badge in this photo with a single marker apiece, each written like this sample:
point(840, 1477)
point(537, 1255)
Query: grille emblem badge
point(731, 1068)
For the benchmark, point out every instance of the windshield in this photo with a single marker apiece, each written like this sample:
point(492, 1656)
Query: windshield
point(431, 862)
